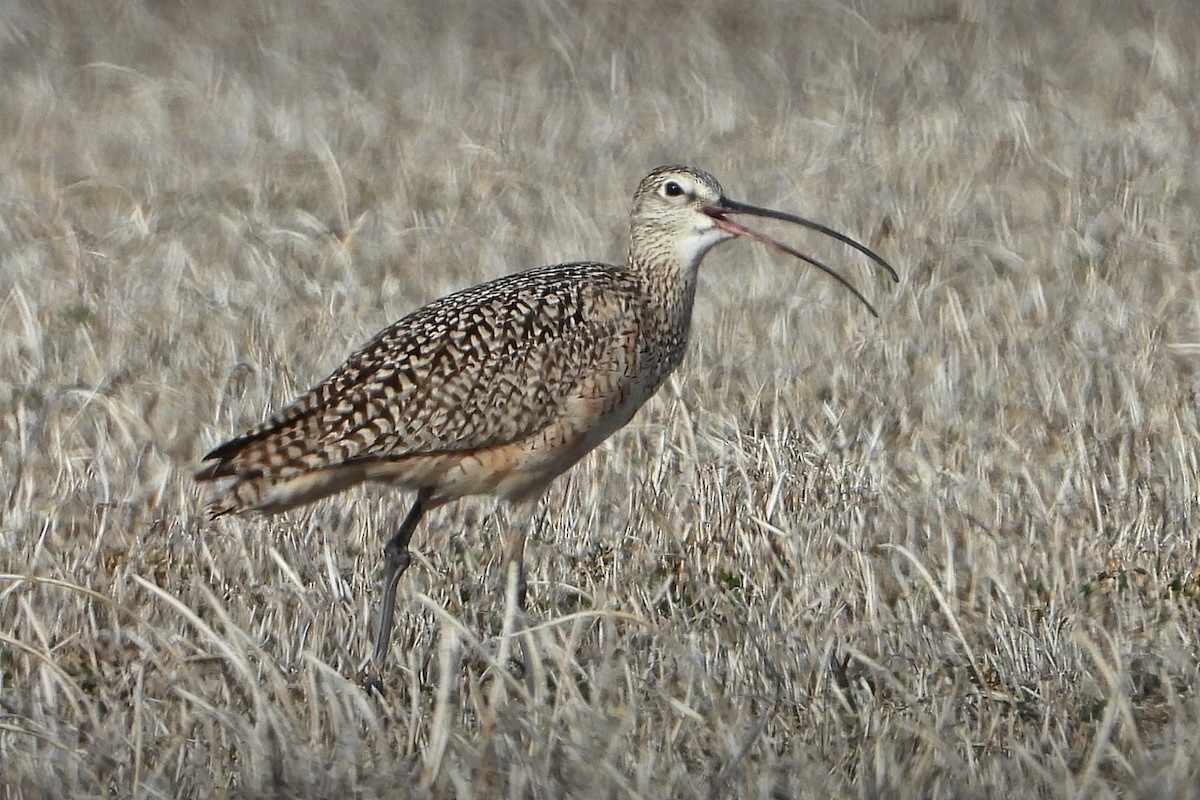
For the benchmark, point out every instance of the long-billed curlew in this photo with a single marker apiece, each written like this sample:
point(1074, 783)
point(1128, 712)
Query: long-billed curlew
point(499, 388)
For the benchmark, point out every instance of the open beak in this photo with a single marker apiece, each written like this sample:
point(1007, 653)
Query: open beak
point(720, 210)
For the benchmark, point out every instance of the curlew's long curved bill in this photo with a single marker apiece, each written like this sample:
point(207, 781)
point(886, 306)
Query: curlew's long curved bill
point(724, 206)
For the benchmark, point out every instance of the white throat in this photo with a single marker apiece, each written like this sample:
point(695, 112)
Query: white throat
point(691, 248)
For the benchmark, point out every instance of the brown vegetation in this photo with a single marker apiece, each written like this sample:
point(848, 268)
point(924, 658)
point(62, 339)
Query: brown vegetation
point(951, 553)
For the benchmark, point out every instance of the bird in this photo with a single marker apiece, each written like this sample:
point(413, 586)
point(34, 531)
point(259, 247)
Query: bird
point(499, 388)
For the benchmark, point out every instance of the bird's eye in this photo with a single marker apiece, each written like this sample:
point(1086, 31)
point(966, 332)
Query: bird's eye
point(672, 189)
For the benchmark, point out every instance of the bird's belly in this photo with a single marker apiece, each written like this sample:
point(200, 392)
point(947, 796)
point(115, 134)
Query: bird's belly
point(515, 470)
point(555, 449)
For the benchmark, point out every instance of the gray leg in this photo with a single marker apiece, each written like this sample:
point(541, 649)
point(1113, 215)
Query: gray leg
point(396, 559)
point(514, 562)
point(515, 653)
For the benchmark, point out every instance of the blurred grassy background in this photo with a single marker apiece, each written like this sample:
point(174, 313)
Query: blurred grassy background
point(949, 554)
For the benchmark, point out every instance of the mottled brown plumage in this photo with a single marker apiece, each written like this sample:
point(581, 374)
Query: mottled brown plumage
point(482, 368)
point(499, 388)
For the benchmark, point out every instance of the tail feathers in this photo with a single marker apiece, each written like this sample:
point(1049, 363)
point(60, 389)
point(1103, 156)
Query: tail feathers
point(247, 470)
point(275, 472)
point(280, 453)
point(223, 454)
point(273, 468)
point(295, 416)
point(243, 494)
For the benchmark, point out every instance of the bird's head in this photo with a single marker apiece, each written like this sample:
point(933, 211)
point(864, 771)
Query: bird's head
point(669, 219)
point(680, 213)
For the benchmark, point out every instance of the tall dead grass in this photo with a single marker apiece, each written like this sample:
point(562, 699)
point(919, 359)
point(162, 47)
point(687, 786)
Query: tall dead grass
point(949, 554)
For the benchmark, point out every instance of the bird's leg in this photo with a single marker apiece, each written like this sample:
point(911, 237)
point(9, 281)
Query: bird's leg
point(514, 564)
point(396, 559)
point(520, 519)
point(513, 573)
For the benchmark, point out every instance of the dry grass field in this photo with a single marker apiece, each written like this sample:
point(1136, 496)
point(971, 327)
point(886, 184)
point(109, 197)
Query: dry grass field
point(951, 553)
